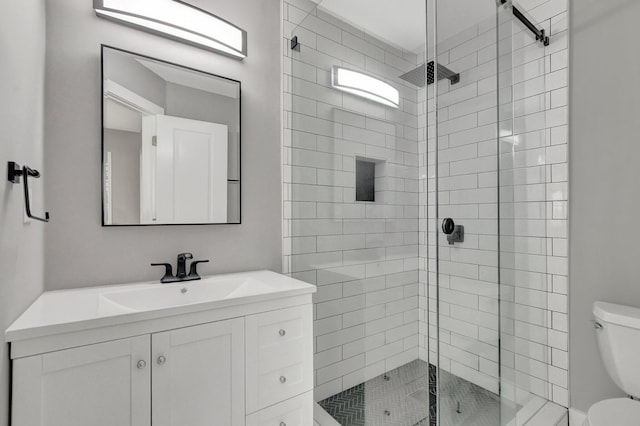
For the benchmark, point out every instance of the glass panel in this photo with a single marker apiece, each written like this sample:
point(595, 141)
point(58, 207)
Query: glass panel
point(506, 26)
point(370, 358)
point(464, 288)
point(524, 201)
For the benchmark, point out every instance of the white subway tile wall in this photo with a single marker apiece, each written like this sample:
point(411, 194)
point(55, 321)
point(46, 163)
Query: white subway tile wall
point(374, 263)
point(363, 256)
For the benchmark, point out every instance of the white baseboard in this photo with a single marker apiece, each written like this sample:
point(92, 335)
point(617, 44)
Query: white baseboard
point(576, 417)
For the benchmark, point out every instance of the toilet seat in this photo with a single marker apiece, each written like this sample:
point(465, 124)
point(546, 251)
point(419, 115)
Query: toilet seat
point(618, 412)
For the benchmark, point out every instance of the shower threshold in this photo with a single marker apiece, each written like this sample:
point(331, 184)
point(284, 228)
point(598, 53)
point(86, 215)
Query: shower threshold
point(406, 395)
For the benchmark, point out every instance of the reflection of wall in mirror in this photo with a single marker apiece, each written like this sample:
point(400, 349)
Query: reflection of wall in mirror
point(124, 147)
point(107, 200)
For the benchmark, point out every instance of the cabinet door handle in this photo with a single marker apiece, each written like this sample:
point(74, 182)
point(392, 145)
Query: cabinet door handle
point(282, 332)
point(283, 424)
point(283, 379)
point(161, 360)
point(141, 364)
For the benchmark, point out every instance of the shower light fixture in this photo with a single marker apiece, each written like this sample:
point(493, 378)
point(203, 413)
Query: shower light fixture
point(365, 86)
point(177, 20)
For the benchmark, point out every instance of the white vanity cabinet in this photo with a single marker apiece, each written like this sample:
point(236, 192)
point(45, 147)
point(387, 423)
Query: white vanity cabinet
point(227, 364)
point(105, 384)
point(198, 375)
point(187, 376)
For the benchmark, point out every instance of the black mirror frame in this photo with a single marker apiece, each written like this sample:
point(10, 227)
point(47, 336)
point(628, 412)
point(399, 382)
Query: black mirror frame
point(102, 212)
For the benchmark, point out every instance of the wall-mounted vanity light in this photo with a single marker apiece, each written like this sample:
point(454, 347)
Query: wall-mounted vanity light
point(177, 20)
point(365, 86)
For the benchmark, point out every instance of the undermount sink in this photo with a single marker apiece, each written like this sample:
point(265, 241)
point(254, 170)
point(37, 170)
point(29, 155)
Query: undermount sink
point(184, 293)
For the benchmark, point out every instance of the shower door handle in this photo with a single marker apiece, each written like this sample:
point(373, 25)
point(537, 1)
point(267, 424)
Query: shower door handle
point(454, 233)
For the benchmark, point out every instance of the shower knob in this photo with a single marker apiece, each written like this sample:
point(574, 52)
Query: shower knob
point(455, 233)
point(448, 226)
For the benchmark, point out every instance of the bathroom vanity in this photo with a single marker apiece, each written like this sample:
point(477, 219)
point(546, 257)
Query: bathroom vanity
point(227, 350)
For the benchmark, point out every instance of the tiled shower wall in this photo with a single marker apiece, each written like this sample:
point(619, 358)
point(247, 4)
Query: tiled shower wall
point(363, 256)
point(533, 209)
point(367, 258)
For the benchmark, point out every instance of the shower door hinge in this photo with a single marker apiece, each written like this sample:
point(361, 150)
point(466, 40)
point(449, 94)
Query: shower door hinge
point(295, 45)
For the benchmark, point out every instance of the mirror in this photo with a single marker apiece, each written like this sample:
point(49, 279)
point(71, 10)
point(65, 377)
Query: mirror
point(170, 143)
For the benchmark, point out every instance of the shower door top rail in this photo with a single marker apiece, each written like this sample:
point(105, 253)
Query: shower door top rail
point(539, 33)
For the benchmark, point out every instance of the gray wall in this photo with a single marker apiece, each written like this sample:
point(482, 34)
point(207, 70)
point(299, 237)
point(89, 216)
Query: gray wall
point(79, 251)
point(125, 163)
point(22, 49)
point(194, 104)
point(605, 200)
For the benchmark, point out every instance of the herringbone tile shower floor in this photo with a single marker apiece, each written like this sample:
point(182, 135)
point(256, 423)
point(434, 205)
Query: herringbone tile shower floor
point(401, 398)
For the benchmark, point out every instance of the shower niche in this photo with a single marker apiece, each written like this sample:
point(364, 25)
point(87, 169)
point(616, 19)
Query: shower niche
point(369, 175)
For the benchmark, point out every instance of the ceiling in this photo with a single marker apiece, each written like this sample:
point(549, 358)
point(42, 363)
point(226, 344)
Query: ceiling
point(402, 22)
point(194, 79)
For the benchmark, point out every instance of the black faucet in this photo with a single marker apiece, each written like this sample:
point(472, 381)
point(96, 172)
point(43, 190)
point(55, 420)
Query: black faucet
point(181, 270)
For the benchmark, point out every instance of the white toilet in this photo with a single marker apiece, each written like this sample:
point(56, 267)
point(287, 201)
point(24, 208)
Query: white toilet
point(618, 334)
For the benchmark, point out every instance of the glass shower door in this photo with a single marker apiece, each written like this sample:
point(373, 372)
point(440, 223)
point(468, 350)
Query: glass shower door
point(464, 245)
point(490, 192)
point(416, 198)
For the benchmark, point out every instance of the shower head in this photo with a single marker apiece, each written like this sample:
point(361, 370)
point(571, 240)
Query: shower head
point(424, 75)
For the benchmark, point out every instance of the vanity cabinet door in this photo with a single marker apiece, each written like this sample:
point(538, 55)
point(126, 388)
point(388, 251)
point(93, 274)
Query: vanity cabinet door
point(198, 375)
point(104, 384)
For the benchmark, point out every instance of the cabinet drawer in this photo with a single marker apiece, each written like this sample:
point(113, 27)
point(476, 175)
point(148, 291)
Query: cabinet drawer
point(296, 411)
point(279, 353)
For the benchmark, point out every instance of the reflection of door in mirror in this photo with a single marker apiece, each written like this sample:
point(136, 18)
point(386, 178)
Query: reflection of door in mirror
point(183, 168)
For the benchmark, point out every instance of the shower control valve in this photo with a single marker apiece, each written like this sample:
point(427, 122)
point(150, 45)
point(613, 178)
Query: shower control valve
point(454, 233)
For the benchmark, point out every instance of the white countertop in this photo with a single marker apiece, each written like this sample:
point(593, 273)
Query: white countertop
point(63, 311)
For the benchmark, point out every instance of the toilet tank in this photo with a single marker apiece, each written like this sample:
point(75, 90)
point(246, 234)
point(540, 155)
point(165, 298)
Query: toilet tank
point(619, 343)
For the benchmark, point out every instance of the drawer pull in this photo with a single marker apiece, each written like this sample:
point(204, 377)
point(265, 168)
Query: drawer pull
point(141, 364)
point(282, 332)
point(283, 424)
point(283, 379)
point(161, 360)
